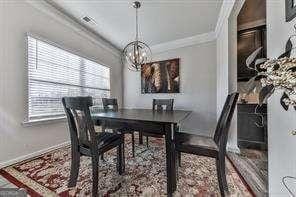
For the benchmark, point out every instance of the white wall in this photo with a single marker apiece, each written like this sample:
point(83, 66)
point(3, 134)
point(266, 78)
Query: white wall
point(222, 67)
point(281, 144)
point(226, 63)
point(232, 68)
point(198, 86)
point(16, 19)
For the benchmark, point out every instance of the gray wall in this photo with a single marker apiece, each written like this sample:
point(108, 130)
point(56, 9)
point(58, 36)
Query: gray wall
point(281, 144)
point(16, 19)
point(198, 86)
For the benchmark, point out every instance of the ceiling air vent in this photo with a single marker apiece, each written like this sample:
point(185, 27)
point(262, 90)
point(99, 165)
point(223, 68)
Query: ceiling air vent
point(86, 19)
point(89, 20)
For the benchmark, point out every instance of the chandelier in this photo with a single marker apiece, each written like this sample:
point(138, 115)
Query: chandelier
point(136, 52)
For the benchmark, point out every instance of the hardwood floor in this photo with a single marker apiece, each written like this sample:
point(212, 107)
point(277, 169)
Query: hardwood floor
point(252, 165)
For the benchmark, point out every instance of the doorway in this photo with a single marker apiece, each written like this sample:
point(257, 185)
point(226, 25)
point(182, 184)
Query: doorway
point(252, 161)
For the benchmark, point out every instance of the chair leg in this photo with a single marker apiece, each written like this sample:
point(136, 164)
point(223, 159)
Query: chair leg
point(147, 141)
point(95, 176)
point(220, 164)
point(179, 158)
point(102, 157)
point(140, 137)
point(120, 159)
point(75, 163)
point(223, 169)
point(103, 130)
point(133, 144)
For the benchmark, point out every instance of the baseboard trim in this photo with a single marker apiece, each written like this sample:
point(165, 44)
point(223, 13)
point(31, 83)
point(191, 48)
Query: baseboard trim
point(32, 155)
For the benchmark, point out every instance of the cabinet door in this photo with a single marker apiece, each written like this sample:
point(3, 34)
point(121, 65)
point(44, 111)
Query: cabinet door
point(250, 133)
point(248, 41)
point(251, 129)
point(264, 36)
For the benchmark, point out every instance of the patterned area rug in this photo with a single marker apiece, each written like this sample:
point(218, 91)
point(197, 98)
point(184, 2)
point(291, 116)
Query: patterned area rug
point(48, 174)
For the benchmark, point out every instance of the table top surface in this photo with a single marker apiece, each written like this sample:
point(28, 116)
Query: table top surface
point(175, 116)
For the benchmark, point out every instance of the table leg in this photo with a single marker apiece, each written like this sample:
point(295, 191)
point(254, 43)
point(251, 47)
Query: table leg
point(170, 130)
point(140, 137)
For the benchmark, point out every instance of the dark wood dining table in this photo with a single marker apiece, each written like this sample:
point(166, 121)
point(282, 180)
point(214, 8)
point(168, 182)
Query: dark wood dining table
point(165, 122)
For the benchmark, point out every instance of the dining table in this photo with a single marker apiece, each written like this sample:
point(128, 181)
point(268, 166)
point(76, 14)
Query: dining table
point(166, 123)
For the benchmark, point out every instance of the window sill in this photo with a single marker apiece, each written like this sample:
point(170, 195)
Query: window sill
point(43, 121)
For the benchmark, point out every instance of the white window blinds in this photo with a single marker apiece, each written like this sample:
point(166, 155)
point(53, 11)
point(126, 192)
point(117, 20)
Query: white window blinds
point(54, 73)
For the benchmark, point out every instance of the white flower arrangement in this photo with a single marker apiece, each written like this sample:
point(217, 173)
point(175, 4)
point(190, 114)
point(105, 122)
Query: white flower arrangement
point(274, 74)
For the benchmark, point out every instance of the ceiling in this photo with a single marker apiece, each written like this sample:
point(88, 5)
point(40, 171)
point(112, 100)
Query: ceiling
point(160, 21)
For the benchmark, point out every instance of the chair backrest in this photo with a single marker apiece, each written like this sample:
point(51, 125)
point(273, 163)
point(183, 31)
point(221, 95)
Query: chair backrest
point(110, 104)
point(80, 123)
point(158, 104)
point(222, 128)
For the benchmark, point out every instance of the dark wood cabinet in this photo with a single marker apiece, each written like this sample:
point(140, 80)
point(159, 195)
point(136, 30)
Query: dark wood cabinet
point(248, 41)
point(252, 128)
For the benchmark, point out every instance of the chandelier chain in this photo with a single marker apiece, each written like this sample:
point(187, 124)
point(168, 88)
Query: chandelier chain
point(137, 25)
point(136, 53)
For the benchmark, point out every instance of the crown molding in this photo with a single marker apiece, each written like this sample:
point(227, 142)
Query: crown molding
point(184, 42)
point(224, 14)
point(68, 21)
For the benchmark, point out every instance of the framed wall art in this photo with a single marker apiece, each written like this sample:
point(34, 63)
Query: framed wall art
point(161, 77)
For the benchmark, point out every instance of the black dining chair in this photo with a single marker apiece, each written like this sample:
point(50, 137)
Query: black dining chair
point(157, 105)
point(110, 104)
point(86, 142)
point(211, 147)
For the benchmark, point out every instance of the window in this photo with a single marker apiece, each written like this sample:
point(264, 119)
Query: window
point(54, 73)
